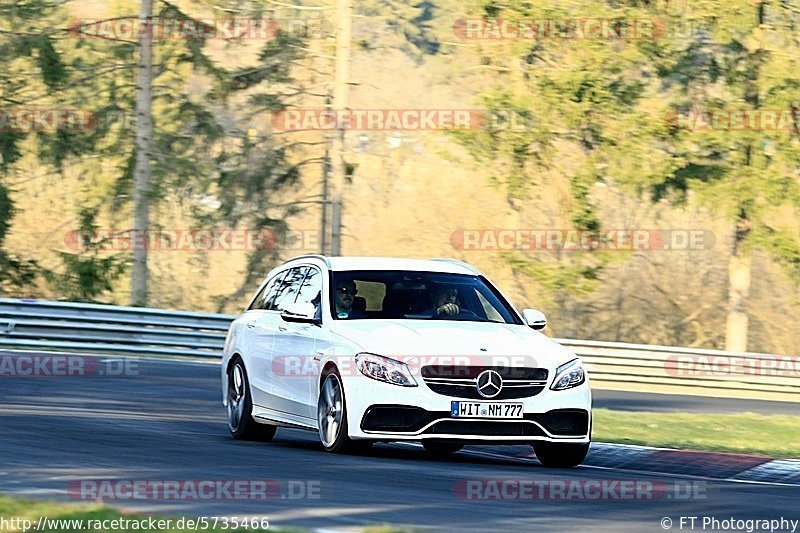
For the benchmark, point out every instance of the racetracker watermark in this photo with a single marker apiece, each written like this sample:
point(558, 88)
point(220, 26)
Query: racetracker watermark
point(44, 365)
point(430, 366)
point(193, 489)
point(378, 119)
point(578, 240)
point(403, 119)
point(605, 29)
point(171, 29)
point(510, 489)
point(712, 523)
point(587, 28)
point(732, 365)
point(735, 119)
point(42, 119)
point(191, 240)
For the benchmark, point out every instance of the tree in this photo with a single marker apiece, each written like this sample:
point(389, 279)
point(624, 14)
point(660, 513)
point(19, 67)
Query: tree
point(410, 25)
point(197, 140)
point(15, 273)
point(36, 51)
point(558, 115)
point(88, 273)
point(741, 62)
point(144, 139)
point(624, 113)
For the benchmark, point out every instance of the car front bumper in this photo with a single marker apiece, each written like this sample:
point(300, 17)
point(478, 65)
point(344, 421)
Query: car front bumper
point(381, 411)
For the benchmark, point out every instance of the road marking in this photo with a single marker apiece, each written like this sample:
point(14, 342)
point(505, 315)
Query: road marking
point(329, 512)
point(36, 492)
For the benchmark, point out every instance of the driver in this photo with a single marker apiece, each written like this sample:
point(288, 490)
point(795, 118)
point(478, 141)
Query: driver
point(445, 301)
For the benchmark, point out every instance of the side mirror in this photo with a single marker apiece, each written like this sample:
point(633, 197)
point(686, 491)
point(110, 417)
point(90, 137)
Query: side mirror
point(299, 312)
point(534, 318)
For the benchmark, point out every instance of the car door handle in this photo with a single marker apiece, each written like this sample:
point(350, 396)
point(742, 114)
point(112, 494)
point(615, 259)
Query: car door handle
point(282, 328)
point(251, 325)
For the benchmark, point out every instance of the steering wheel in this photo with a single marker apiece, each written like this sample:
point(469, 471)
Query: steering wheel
point(468, 312)
point(463, 313)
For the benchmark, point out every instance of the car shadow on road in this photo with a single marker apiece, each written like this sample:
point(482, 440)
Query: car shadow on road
point(294, 441)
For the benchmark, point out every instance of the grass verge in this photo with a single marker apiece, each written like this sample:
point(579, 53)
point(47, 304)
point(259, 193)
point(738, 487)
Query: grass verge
point(772, 435)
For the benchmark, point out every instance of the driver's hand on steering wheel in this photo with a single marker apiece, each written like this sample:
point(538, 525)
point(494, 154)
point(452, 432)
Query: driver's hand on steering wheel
point(448, 309)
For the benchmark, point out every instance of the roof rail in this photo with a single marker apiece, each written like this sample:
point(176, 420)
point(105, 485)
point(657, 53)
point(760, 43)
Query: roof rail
point(456, 262)
point(310, 256)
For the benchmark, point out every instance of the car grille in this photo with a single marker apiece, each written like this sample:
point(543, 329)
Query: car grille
point(460, 381)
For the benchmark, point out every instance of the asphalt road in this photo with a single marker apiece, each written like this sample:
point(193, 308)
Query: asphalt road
point(166, 423)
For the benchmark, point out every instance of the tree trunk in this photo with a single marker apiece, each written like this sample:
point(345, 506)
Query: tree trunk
point(141, 173)
point(340, 93)
point(739, 276)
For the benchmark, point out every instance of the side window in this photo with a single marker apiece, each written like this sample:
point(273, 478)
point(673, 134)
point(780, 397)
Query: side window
point(272, 288)
point(287, 289)
point(265, 293)
point(258, 299)
point(311, 289)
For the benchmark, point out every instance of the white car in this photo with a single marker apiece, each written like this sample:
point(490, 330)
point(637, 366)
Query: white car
point(367, 349)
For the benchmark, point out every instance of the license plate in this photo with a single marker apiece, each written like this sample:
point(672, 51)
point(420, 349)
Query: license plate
point(485, 410)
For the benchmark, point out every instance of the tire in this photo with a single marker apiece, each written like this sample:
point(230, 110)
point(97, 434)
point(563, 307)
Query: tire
point(441, 448)
point(560, 455)
point(240, 407)
point(332, 418)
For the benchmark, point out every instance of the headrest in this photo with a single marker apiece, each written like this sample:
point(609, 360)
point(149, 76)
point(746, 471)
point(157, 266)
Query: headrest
point(359, 304)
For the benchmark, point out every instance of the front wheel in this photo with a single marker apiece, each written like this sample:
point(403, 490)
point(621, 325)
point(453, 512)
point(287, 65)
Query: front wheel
point(240, 407)
point(554, 455)
point(332, 418)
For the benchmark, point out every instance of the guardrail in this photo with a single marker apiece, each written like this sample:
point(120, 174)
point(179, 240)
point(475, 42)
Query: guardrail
point(95, 328)
point(106, 329)
point(697, 371)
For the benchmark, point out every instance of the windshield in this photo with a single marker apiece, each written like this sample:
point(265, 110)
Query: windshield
point(382, 294)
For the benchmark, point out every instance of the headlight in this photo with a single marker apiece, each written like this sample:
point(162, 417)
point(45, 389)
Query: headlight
point(569, 375)
point(385, 369)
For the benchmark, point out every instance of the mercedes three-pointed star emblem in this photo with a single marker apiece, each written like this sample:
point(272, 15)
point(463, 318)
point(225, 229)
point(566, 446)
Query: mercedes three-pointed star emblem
point(489, 383)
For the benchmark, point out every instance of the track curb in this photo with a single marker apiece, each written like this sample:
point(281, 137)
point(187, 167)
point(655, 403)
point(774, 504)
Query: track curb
point(714, 465)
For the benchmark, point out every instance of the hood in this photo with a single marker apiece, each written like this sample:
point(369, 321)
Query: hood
point(488, 342)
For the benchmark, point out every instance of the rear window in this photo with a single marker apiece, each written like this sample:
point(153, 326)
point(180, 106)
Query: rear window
point(373, 292)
